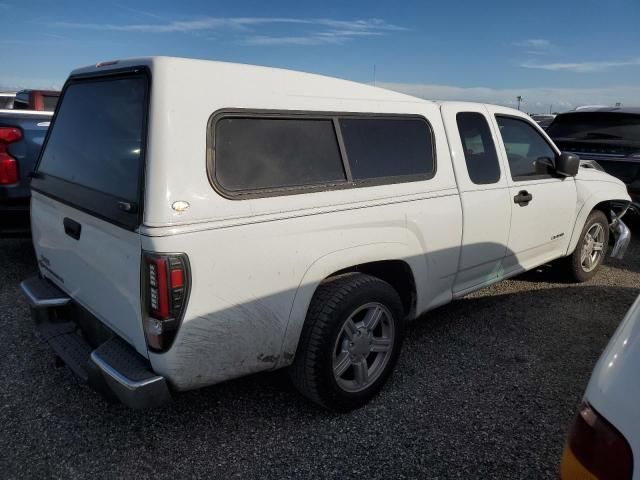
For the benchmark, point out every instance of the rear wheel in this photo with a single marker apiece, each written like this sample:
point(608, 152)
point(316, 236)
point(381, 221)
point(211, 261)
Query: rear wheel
point(589, 254)
point(350, 341)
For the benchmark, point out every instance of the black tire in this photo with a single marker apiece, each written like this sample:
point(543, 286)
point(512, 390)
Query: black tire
point(573, 263)
point(333, 303)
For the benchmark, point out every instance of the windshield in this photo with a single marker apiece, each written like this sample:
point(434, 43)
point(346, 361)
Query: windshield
point(596, 126)
point(96, 139)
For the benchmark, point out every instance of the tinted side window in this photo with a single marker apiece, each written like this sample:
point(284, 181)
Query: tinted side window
point(525, 146)
point(20, 105)
point(267, 153)
point(479, 150)
point(387, 147)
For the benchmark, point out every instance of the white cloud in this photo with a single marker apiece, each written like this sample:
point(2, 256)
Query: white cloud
point(54, 36)
point(251, 30)
point(317, 31)
point(541, 46)
point(536, 100)
point(582, 67)
point(335, 36)
point(142, 13)
point(536, 43)
point(176, 26)
point(265, 40)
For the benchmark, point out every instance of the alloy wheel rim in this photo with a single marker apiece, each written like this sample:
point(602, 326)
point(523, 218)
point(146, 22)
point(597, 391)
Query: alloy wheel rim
point(363, 347)
point(592, 247)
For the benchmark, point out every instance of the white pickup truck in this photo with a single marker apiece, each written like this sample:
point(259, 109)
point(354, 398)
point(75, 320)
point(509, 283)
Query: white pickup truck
point(196, 221)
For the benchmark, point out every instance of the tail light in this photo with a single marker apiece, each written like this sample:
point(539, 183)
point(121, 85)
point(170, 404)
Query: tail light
point(595, 450)
point(165, 283)
point(8, 164)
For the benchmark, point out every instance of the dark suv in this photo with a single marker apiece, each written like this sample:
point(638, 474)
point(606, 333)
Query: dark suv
point(610, 136)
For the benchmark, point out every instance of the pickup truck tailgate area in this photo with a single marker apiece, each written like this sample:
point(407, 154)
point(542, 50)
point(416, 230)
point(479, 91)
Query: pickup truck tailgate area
point(100, 269)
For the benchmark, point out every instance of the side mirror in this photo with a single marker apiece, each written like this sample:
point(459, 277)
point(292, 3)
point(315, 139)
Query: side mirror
point(567, 164)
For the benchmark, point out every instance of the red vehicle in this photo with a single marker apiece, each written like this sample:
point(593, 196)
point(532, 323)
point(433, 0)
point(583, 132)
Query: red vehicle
point(41, 100)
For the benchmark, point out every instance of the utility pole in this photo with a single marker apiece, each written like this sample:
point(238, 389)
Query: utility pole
point(519, 98)
point(374, 74)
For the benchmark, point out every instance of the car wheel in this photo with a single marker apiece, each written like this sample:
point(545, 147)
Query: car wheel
point(350, 341)
point(589, 254)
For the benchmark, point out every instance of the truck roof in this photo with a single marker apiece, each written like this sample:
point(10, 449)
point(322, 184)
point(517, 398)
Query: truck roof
point(254, 77)
point(273, 81)
point(36, 90)
point(632, 110)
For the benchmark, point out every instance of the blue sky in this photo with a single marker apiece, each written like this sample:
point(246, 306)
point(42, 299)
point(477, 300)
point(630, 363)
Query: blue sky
point(562, 52)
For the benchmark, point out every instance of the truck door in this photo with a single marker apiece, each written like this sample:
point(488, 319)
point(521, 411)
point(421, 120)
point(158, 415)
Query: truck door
point(543, 204)
point(484, 193)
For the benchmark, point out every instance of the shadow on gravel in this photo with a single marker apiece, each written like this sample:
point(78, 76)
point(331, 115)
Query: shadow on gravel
point(550, 273)
point(572, 310)
point(17, 256)
point(480, 381)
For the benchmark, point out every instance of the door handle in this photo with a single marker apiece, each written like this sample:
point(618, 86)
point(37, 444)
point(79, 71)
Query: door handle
point(72, 228)
point(523, 198)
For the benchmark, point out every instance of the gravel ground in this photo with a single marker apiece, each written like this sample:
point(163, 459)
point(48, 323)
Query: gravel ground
point(485, 388)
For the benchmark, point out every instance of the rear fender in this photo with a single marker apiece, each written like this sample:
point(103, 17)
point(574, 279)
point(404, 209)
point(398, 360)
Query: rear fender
point(334, 262)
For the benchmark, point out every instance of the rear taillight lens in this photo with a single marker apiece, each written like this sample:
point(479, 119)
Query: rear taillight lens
point(8, 164)
point(595, 450)
point(166, 287)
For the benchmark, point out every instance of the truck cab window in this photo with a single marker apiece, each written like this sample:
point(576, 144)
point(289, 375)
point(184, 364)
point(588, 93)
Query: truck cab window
point(525, 148)
point(479, 150)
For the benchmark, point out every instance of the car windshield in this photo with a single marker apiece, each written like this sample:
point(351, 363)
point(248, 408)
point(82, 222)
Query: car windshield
point(596, 126)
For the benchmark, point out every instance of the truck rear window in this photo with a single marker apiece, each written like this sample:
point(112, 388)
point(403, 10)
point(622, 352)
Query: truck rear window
point(596, 126)
point(93, 154)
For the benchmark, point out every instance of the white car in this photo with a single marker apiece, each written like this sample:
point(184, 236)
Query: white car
point(198, 221)
point(605, 436)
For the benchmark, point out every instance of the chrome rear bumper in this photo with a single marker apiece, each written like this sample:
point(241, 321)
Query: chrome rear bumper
point(622, 238)
point(110, 366)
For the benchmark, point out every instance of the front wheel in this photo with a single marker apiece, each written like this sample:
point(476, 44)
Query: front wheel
point(350, 341)
point(589, 254)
